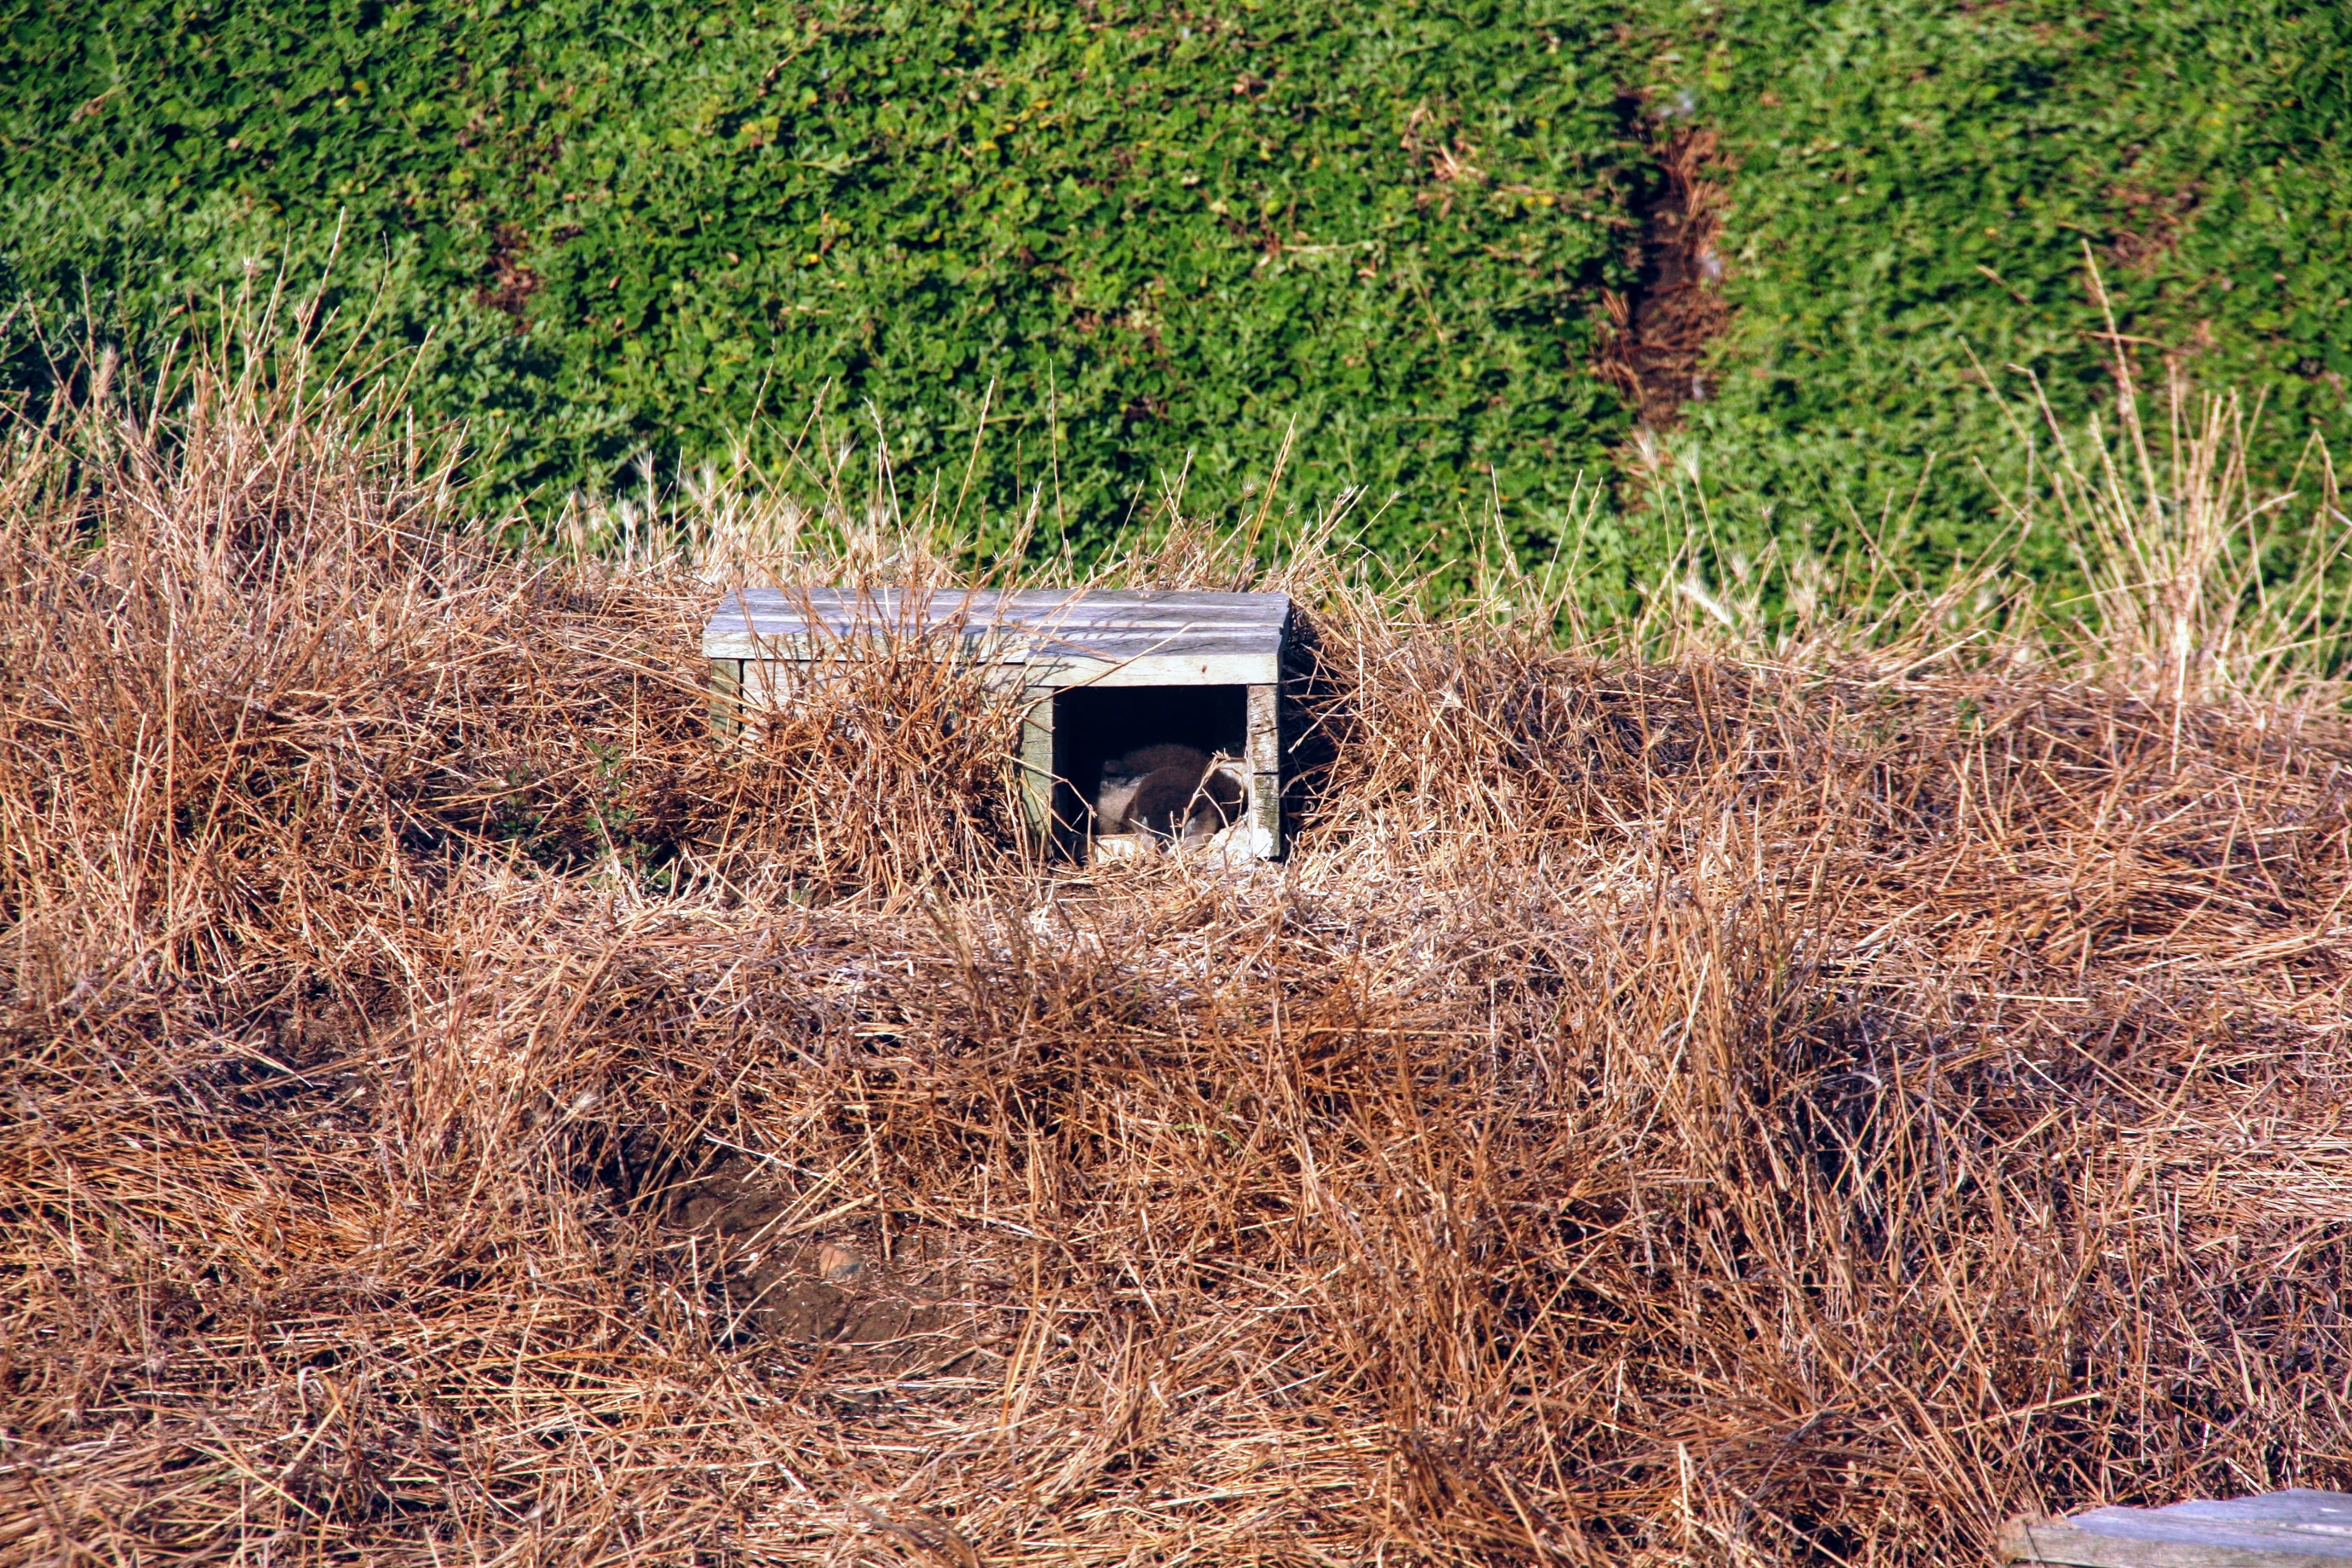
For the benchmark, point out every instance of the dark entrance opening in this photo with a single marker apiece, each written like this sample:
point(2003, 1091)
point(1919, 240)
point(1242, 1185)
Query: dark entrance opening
point(1094, 725)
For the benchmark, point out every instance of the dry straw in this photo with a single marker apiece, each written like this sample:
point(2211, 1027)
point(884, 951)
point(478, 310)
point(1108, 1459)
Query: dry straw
point(1719, 1108)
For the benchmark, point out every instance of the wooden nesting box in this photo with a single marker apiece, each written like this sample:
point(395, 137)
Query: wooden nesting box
point(1108, 674)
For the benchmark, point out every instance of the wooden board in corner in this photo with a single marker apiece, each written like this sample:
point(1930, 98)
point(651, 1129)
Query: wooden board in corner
point(2295, 1529)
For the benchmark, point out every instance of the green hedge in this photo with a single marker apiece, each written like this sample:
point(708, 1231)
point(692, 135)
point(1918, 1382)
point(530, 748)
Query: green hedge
point(1164, 236)
point(1911, 184)
point(1159, 235)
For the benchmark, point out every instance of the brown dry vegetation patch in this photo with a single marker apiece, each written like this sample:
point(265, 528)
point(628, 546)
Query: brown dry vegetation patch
point(509, 282)
point(2154, 223)
point(1660, 331)
point(1712, 1111)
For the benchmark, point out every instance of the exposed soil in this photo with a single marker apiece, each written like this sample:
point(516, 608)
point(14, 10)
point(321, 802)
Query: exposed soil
point(833, 1290)
point(511, 282)
point(2155, 221)
point(1677, 307)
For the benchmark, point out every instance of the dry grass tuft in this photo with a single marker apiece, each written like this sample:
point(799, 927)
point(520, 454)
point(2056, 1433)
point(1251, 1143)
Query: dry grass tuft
point(2203, 588)
point(1713, 1111)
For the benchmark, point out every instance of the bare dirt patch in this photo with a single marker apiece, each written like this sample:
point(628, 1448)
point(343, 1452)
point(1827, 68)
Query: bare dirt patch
point(896, 1314)
point(1662, 326)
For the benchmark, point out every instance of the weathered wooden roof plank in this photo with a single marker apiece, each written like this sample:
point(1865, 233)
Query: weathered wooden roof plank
point(1067, 636)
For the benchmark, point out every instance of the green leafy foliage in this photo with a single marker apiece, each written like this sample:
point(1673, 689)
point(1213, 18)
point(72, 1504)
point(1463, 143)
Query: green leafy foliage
point(1913, 192)
point(1161, 237)
point(1151, 241)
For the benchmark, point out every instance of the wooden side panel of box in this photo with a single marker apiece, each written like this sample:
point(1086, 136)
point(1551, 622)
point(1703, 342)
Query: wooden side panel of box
point(1038, 781)
point(726, 699)
point(736, 687)
point(1265, 762)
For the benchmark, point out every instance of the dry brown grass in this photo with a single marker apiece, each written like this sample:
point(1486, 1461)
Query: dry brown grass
point(1724, 1110)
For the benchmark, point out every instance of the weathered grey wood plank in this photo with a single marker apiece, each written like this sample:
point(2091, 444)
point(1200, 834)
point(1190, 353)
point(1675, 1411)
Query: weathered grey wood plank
point(726, 697)
point(1074, 607)
point(1037, 781)
point(2294, 1529)
point(2057, 1544)
point(1062, 638)
point(1265, 748)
